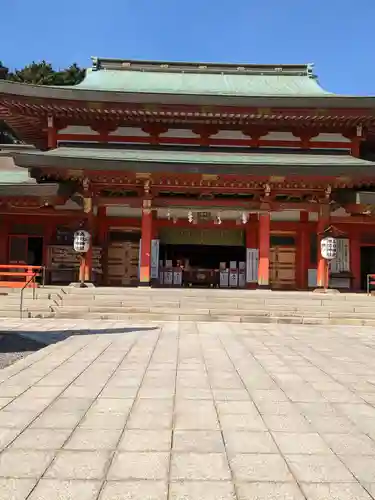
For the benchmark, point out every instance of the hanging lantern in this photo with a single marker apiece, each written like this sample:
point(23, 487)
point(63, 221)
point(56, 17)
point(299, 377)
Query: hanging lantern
point(328, 248)
point(81, 242)
point(244, 218)
point(190, 216)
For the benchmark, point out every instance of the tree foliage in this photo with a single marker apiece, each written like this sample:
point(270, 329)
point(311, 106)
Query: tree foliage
point(3, 71)
point(42, 73)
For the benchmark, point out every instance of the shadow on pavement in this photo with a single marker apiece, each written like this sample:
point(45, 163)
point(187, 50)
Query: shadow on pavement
point(47, 337)
point(17, 343)
point(15, 347)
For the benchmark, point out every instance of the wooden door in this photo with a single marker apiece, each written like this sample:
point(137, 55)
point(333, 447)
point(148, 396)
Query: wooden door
point(123, 258)
point(283, 267)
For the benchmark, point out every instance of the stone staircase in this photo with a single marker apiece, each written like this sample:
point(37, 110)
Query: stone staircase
point(138, 305)
point(40, 307)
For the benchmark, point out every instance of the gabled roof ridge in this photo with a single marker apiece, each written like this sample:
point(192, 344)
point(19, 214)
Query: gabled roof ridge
point(99, 63)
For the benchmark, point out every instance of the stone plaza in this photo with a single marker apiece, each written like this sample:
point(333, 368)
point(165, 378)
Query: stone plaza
point(188, 411)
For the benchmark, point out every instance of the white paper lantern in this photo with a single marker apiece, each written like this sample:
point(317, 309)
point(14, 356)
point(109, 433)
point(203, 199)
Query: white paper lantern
point(328, 248)
point(81, 241)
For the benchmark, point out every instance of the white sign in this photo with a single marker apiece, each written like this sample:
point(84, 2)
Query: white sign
point(155, 245)
point(341, 264)
point(224, 278)
point(177, 277)
point(252, 258)
point(233, 274)
point(328, 248)
point(168, 277)
point(81, 241)
point(241, 274)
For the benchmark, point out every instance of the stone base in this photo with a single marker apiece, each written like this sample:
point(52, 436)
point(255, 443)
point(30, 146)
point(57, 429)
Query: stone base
point(327, 291)
point(264, 288)
point(86, 284)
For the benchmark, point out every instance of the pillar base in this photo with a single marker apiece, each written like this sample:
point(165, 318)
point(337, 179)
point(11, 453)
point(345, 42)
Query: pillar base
point(264, 287)
point(146, 284)
point(326, 291)
point(79, 284)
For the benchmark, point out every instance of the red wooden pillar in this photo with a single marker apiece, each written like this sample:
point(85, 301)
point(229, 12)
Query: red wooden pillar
point(303, 251)
point(356, 147)
point(51, 133)
point(251, 238)
point(251, 231)
point(355, 261)
point(4, 227)
point(264, 251)
point(146, 236)
point(82, 268)
point(90, 228)
point(322, 267)
point(88, 263)
point(101, 231)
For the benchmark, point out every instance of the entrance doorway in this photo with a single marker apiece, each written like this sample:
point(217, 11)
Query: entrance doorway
point(282, 262)
point(35, 251)
point(367, 264)
point(202, 256)
point(201, 264)
point(26, 250)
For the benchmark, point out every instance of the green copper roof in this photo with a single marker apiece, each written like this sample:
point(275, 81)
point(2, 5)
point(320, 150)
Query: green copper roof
point(10, 174)
point(198, 157)
point(202, 79)
point(195, 162)
point(16, 181)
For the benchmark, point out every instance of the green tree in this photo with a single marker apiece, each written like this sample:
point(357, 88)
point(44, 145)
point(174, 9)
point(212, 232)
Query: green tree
point(42, 73)
point(69, 76)
point(35, 73)
point(3, 71)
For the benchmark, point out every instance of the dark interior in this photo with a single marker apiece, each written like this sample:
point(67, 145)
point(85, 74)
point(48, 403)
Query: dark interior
point(367, 265)
point(202, 256)
point(35, 251)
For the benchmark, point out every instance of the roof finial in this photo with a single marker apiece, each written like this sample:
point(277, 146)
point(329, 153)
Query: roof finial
point(95, 63)
point(310, 68)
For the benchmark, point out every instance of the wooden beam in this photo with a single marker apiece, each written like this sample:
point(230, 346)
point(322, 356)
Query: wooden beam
point(131, 201)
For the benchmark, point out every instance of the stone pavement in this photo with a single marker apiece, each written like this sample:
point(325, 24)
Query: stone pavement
point(190, 411)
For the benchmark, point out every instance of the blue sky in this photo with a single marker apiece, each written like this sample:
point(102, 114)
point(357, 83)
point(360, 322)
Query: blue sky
point(337, 35)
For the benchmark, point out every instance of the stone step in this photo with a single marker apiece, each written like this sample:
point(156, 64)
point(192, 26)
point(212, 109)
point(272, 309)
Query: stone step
point(220, 293)
point(133, 304)
point(178, 297)
point(174, 312)
point(27, 303)
point(145, 318)
point(76, 310)
point(233, 306)
point(26, 300)
point(15, 292)
point(26, 314)
point(222, 298)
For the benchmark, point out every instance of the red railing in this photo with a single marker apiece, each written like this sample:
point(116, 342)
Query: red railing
point(22, 271)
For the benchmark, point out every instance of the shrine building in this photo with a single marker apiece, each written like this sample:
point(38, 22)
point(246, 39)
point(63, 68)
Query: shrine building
point(189, 174)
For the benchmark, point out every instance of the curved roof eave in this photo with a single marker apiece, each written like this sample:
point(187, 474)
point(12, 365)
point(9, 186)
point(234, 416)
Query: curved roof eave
point(28, 91)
